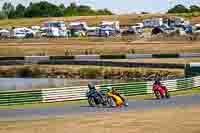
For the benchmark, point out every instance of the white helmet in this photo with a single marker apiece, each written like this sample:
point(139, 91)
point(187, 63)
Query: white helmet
point(109, 88)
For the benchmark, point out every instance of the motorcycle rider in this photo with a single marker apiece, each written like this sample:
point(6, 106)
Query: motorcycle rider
point(115, 92)
point(116, 96)
point(157, 82)
point(93, 90)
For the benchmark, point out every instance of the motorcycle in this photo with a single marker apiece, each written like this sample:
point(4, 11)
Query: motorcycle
point(101, 99)
point(160, 91)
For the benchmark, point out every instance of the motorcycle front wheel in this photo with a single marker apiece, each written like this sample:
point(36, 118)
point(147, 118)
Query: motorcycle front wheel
point(125, 103)
point(91, 101)
point(167, 95)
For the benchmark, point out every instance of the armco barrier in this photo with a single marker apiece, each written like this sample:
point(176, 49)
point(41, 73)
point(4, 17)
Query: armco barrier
point(64, 94)
point(15, 97)
point(93, 56)
point(79, 92)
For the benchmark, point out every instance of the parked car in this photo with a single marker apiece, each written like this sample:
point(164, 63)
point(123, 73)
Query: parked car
point(4, 33)
point(197, 29)
point(78, 29)
point(135, 29)
point(22, 33)
point(52, 32)
point(93, 31)
point(115, 25)
point(107, 31)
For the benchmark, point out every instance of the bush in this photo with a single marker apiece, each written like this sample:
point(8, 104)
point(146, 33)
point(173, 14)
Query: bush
point(28, 72)
point(24, 72)
point(90, 73)
point(165, 55)
point(87, 73)
point(11, 58)
point(113, 57)
point(132, 51)
point(61, 57)
point(36, 72)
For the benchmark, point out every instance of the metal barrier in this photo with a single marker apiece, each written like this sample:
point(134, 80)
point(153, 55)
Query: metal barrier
point(16, 97)
point(79, 92)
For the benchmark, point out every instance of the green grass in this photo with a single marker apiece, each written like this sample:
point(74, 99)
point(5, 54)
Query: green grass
point(57, 104)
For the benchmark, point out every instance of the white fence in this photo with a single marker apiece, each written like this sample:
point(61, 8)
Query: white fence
point(135, 88)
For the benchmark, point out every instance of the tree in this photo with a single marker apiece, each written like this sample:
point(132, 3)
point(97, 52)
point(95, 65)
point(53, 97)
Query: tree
point(62, 7)
point(194, 8)
point(178, 9)
point(20, 10)
point(71, 10)
point(46, 9)
point(3, 15)
point(9, 10)
point(104, 12)
point(84, 10)
point(43, 9)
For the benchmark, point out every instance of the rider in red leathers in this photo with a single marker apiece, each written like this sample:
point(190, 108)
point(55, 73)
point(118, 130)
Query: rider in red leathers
point(158, 87)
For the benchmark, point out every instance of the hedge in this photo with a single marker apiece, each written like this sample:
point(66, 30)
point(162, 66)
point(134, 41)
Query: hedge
point(12, 58)
point(113, 56)
point(61, 57)
point(165, 55)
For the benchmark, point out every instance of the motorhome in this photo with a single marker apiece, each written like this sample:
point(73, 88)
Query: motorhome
point(154, 22)
point(54, 29)
point(56, 24)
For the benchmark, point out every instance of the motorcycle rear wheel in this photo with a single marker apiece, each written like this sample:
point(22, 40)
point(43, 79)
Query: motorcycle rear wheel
point(110, 102)
point(157, 94)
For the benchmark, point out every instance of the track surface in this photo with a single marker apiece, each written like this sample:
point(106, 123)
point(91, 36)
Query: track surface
point(68, 109)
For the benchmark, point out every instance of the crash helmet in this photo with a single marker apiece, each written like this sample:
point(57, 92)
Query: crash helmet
point(109, 88)
point(91, 86)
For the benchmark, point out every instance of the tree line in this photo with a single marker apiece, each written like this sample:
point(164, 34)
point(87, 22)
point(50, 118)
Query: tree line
point(46, 9)
point(182, 9)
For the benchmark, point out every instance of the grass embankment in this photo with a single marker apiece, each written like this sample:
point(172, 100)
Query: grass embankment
point(165, 120)
point(85, 72)
point(138, 97)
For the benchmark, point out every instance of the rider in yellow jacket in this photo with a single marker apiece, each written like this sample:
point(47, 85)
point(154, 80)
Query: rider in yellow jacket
point(116, 96)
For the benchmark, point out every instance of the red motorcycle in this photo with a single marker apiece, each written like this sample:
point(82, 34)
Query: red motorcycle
point(160, 91)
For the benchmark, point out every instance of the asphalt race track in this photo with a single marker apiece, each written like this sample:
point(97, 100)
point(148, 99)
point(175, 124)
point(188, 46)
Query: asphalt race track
point(68, 109)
